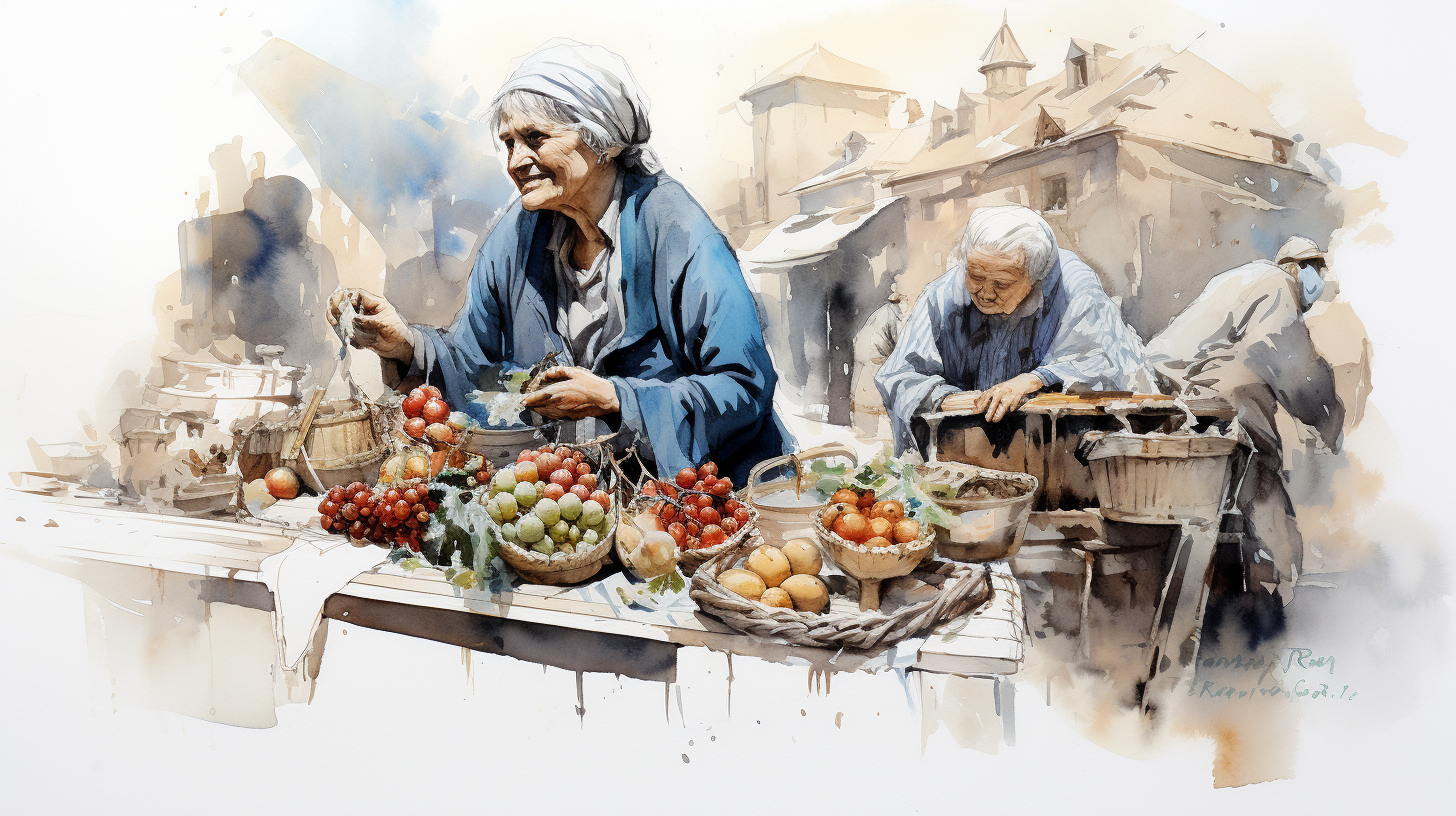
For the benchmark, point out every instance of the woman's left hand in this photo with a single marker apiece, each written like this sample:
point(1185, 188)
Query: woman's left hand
point(1002, 398)
point(573, 393)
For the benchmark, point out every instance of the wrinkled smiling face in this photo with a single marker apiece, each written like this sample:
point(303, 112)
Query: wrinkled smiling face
point(549, 163)
point(997, 283)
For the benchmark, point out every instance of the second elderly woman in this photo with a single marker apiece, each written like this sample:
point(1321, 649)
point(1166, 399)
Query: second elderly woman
point(611, 264)
point(1014, 315)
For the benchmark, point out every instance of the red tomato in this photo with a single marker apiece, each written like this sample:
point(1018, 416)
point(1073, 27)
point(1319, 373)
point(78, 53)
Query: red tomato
point(707, 469)
point(563, 453)
point(649, 489)
point(741, 516)
point(704, 501)
point(414, 403)
point(527, 456)
point(582, 492)
point(686, 477)
point(730, 525)
point(553, 491)
point(415, 427)
point(563, 477)
point(731, 506)
point(353, 489)
point(601, 497)
point(411, 496)
point(349, 511)
point(699, 486)
point(721, 487)
point(694, 512)
point(583, 468)
point(713, 535)
point(393, 495)
point(328, 508)
point(708, 515)
point(678, 532)
point(401, 510)
point(589, 481)
point(431, 392)
point(435, 410)
point(336, 495)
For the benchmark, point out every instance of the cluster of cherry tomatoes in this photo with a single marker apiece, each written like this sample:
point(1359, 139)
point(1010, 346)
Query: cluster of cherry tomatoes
point(385, 514)
point(701, 512)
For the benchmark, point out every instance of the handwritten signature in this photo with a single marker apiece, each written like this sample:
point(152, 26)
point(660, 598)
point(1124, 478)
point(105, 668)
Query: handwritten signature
point(1284, 662)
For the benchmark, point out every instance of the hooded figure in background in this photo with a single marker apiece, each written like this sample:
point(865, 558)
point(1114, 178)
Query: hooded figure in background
point(612, 265)
point(1245, 339)
point(1012, 316)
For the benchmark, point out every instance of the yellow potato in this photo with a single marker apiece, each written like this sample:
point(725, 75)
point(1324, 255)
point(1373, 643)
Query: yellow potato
point(804, 556)
point(776, 596)
point(769, 564)
point(743, 582)
point(808, 592)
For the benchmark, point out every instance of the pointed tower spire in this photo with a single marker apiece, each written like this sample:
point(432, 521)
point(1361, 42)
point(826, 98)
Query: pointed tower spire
point(1004, 63)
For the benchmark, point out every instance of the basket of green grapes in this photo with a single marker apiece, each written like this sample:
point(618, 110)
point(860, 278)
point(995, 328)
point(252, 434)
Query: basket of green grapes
point(550, 513)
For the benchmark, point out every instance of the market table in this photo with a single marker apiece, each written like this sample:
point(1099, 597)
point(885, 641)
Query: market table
point(194, 590)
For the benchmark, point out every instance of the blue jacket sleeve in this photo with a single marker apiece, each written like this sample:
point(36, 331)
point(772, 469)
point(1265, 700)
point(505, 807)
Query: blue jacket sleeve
point(723, 393)
point(453, 358)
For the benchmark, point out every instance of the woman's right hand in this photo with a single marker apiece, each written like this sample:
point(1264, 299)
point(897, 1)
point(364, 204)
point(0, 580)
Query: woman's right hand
point(379, 327)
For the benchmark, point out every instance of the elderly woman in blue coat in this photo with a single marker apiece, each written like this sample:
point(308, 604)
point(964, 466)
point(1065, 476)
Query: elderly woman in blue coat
point(611, 264)
point(1014, 315)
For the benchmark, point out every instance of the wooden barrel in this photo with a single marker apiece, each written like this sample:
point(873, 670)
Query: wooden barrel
point(345, 443)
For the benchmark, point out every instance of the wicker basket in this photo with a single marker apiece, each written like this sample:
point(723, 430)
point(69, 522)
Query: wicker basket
point(961, 588)
point(687, 560)
point(562, 568)
point(1159, 478)
point(871, 566)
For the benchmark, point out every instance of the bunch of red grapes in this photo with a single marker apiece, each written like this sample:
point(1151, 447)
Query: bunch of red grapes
point(703, 513)
point(395, 515)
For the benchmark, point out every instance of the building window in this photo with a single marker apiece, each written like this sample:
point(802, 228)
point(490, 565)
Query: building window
point(1054, 194)
point(1079, 72)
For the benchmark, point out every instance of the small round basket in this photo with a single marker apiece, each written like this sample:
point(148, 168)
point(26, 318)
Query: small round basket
point(871, 566)
point(959, 588)
point(688, 561)
point(562, 568)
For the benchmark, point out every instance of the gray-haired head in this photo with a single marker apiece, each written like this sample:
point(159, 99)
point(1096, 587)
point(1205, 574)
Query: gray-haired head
point(585, 88)
point(1007, 232)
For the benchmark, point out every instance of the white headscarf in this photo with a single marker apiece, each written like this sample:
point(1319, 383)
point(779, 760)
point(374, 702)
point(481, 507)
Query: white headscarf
point(1008, 230)
point(599, 87)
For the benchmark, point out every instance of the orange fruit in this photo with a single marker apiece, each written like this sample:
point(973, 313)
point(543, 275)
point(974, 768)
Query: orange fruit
point(892, 510)
point(881, 527)
point(878, 541)
point(852, 527)
point(844, 496)
point(907, 530)
point(867, 500)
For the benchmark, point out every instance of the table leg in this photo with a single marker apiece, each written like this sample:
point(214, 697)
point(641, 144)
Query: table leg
point(1084, 641)
point(1176, 633)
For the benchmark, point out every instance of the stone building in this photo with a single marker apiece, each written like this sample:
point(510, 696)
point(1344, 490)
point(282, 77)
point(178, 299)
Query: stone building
point(1156, 168)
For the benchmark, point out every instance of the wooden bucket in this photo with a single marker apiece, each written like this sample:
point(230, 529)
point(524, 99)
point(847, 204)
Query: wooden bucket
point(345, 443)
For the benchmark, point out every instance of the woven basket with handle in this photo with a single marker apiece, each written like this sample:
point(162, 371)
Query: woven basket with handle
point(959, 589)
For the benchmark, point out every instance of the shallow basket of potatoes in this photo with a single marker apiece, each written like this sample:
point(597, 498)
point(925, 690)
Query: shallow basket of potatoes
point(820, 611)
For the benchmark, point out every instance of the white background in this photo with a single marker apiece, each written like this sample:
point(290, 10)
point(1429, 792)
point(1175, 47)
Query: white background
point(109, 113)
